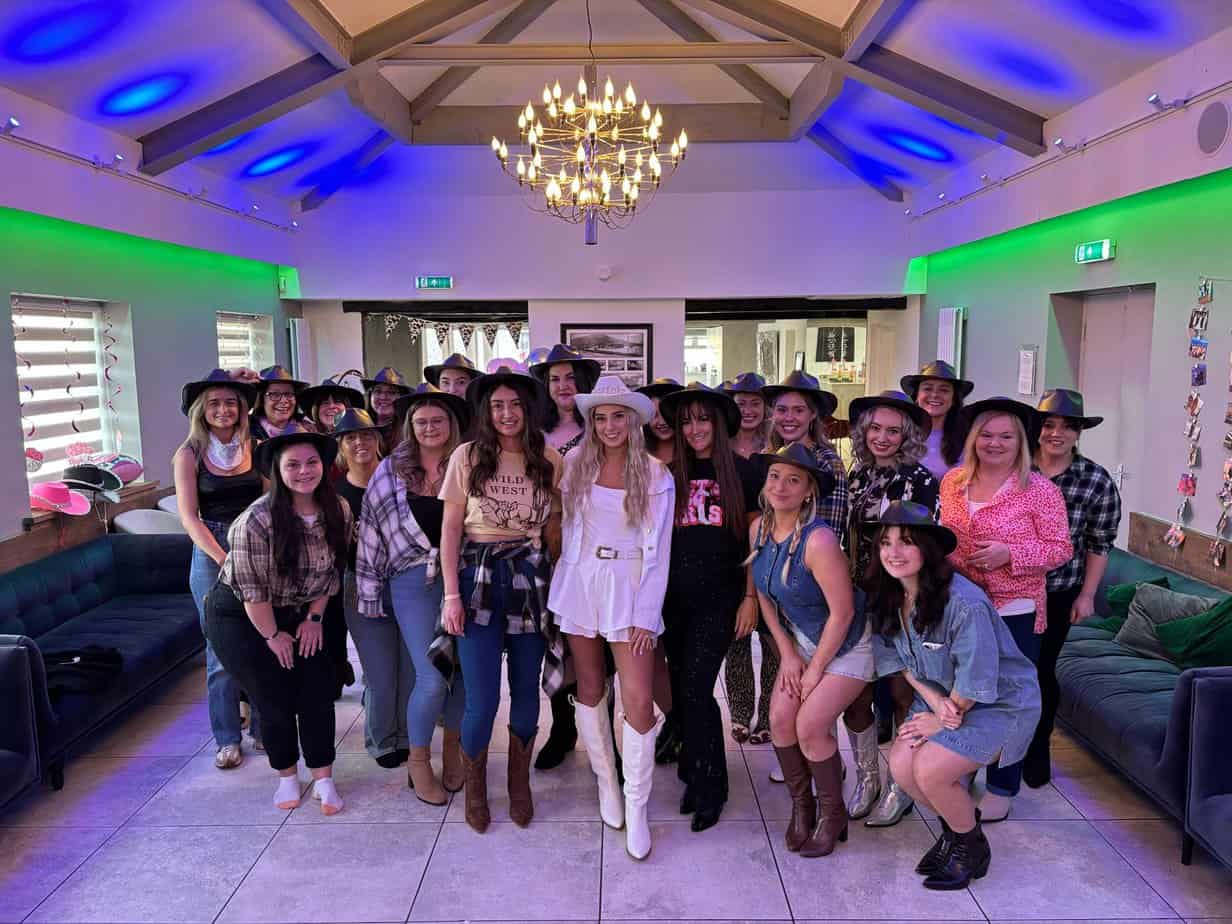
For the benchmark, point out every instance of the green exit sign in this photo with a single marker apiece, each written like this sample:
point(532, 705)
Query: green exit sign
point(1095, 251)
point(434, 282)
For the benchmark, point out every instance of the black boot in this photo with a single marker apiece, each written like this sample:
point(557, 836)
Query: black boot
point(936, 856)
point(968, 859)
point(885, 726)
point(563, 736)
point(667, 745)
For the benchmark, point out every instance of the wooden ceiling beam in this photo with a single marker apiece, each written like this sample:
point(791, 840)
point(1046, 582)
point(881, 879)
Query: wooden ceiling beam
point(523, 54)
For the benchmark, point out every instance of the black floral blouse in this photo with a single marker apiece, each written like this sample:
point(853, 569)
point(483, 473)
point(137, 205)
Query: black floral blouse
point(870, 487)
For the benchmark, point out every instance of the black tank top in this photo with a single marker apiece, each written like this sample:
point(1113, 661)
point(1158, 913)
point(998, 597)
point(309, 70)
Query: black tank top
point(222, 498)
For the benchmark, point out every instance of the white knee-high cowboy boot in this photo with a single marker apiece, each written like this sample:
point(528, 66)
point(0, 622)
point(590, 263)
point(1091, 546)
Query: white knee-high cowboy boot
point(639, 763)
point(595, 730)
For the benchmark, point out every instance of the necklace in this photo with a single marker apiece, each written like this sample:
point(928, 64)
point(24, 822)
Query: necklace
point(225, 456)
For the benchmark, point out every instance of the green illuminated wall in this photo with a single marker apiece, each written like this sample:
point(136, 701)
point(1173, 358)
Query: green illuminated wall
point(1165, 237)
point(172, 293)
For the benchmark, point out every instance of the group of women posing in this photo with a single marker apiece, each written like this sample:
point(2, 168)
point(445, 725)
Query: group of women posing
point(918, 585)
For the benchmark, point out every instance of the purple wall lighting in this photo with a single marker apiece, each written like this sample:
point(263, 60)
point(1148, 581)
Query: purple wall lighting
point(62, 32)
point(143, 94)
point(279, 160)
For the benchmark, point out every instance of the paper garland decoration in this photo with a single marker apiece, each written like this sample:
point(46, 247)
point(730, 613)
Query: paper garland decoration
point(68, 363)
point(442, 334)
point(19, 331)
point(489, 334)
point(111, 388)
point(515, 330)
point(414, 327)
point(467, 333)
point(391, 324)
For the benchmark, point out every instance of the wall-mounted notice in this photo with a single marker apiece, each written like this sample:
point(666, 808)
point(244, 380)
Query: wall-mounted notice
point(1026, 369)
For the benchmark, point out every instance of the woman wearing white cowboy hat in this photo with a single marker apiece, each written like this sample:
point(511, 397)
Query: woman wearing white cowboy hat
point(609, 586)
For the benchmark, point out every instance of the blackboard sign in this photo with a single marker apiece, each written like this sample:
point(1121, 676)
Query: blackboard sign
point(836, 344)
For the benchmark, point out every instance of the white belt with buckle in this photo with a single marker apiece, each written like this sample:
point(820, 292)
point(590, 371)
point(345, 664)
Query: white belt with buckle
point(607, 553)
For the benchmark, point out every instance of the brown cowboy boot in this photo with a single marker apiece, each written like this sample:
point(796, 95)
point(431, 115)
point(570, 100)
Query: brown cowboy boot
point(478, 816)
point(453, 775)
point(800, 785)
point(521, 805)
point(831, 811)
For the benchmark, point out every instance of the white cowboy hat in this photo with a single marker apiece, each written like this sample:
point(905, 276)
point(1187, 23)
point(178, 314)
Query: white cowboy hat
point(611, 389)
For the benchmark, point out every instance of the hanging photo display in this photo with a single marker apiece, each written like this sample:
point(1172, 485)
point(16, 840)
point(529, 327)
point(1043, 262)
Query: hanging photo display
point(1187, 483)
point(1217, 552)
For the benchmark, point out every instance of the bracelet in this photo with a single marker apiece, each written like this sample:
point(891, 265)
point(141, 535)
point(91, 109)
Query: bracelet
point(453, 597)
point(270, 638)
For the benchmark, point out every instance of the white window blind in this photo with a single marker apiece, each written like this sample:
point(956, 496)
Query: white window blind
point(244, 340)
point(60, 379)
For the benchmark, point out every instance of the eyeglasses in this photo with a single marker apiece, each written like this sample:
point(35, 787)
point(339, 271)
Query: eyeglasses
point(280, 397)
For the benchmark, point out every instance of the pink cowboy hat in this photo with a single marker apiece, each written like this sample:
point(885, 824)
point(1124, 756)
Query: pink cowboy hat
point(56, 496)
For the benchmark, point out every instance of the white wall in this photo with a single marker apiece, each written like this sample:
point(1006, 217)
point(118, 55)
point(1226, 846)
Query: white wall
point(337, 340)
point(667, 316)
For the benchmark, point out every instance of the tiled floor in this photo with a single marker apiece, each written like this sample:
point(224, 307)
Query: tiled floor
point(147, 830)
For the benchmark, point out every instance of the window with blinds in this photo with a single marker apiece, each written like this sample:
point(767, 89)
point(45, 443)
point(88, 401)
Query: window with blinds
point(61, 377)
point(245, 340)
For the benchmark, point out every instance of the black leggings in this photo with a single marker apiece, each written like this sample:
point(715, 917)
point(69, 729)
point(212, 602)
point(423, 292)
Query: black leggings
point(1060, 603)
point(296, 705)
point(699, 624)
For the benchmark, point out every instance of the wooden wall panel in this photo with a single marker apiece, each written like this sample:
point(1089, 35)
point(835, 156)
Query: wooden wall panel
point(1146, 538)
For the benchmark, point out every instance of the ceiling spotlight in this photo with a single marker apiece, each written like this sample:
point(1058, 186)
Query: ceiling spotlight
point(906, 211)
point(984, 177)
point(10, 125)
point(255, 207)
point(941, 196)
point(1060, 145)
point(1160, 106)
point(117, 159)
point(294, 223)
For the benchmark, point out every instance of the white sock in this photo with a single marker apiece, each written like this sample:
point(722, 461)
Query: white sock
point(287, 796)
point(325, 790)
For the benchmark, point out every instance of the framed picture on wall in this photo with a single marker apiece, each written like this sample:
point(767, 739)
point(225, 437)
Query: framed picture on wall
point(768, 355)
point(625, 350)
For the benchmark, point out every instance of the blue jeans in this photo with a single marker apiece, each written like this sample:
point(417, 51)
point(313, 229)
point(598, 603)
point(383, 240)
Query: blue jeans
point(388, 674)
point(222, 690)
point(479, 651)
point(416, 606)
point(1006, 781)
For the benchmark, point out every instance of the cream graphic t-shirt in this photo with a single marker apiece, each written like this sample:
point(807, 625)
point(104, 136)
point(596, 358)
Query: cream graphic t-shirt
point(508, 508)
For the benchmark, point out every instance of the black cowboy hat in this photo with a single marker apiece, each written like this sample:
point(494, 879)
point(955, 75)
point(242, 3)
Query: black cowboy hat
point(660, 387)
point(914, 516)
point(567, 354)
point(825, 402)
point(937, 369)
point(388, 376)
point(478, 389)
point(1067, 403)
point(263, 455)
point(216, 379)
point(353, 420)
point(670, 404)
point(454, 361)
point(1024, 412)
point(425, 391)
point(799, 455)
point(94, 479)
point(894, 399)
point(271, 374)
point(309, 398)
point(747, 383)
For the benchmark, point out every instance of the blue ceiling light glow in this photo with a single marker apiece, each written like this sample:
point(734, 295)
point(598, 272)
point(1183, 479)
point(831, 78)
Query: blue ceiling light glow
point(279, 160)
point(142, 95)
point(1024, 67)
point(875, 171)
point(952, 126)
point(345, 171)
point(1125, 15)
point(63, 32)
point(912, 144)
point(228, 145)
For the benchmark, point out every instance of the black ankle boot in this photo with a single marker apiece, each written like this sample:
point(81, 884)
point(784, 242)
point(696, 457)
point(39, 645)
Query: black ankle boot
point(667, 744)
point(968, 859)
point(705, 818)
point(935, 858)
point(688, 805)
point(563, 736)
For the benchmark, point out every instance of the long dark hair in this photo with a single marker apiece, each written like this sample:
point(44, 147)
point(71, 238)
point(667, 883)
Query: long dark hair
point(288, 528)
point(954, 430)
point(485, 449)
point(885, 593)
point(585, 385)
point(724, 459)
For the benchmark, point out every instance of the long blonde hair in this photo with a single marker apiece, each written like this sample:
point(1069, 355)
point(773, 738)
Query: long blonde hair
point(971, 461)
point(765, 527)
point(583, 470)
point(198, 440)
point(911, 451)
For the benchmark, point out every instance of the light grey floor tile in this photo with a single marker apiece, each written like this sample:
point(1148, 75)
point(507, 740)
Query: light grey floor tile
point(1153, 848)
point(1060, 869)
point(348, 715)
point(372, 795)
point(872, 876)
point(549, 868)
point(201, 794)
point(157, 874)
point(331, 873)
point(170, 730)
point(567, 793)
point(186, 684)
point(730, 874)
point(1097, 790)
point(667, 791)
point(34, 861)
point(98, 791)
point(1043, 804)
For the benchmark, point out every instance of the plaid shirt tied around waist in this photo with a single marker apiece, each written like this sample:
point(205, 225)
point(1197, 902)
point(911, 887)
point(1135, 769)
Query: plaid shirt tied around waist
point(526, 603)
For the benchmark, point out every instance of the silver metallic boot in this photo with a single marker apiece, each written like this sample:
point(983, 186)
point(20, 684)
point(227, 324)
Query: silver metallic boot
point(894, 804)
point(868, 772)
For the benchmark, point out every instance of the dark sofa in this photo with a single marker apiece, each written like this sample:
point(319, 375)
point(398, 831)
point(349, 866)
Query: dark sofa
point(1138, 713)
point(125, 592)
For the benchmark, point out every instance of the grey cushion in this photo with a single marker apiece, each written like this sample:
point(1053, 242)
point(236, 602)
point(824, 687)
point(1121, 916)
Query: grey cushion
point(1153, 606)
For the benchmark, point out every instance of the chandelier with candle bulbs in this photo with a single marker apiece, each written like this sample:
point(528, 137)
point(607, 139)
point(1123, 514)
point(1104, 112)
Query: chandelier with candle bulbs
point(591, 157)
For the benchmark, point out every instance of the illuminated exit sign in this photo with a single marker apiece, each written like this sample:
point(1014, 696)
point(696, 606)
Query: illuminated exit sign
point(434, 282)
point(1095, 251)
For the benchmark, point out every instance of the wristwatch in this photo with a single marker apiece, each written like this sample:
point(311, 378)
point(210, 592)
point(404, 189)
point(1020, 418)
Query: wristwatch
point(314, 617)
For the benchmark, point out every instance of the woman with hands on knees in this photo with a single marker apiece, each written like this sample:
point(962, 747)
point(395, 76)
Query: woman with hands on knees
point(976, 694)
point(608, 589)
point(817, 619)
point(263, 617)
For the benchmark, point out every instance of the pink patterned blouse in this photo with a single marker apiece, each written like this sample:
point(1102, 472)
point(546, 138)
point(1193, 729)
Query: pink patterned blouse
point(1034, 525)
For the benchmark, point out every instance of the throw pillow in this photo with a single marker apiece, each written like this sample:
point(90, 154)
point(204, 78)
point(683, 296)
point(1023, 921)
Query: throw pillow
point(1120, 596)
point(1108, 623)
point(1203, 640)
point(1154, 606)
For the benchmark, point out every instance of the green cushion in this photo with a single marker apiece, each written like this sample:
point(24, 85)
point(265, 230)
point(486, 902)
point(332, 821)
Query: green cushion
point(1201, 640)
point(1151, 608)
point(1108, 623)
point(1120, 596)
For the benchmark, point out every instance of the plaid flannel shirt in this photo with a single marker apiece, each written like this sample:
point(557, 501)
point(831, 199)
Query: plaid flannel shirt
point(834, 508)
point(389, 539)
point(1093, 505)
